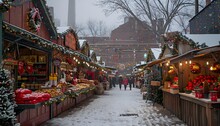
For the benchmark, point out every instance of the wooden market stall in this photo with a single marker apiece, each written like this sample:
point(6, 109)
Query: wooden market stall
point(198, 81)
point(33, 52)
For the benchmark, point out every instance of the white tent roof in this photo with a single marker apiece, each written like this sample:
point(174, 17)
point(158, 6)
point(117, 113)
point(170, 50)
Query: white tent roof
point(208, 39)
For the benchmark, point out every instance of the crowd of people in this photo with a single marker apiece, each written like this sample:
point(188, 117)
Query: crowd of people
point(122, 81)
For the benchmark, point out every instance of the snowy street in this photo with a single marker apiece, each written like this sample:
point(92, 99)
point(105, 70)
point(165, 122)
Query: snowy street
point(111, 108)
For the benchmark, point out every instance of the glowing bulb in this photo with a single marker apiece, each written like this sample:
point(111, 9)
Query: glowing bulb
point(186, 62)
point(181, 64)
point(190, 62)
point(207, 63)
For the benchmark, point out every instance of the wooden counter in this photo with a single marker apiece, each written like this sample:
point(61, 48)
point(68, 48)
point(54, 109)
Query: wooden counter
point(34, 115)
point(171, 102)
point(199, 112)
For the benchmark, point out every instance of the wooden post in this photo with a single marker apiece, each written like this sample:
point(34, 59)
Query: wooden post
point(1, 38)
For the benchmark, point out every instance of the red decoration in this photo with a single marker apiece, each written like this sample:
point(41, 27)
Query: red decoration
point(30, 69)
point(21, 68)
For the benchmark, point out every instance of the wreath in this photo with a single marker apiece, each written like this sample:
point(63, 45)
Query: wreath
point(34, 19)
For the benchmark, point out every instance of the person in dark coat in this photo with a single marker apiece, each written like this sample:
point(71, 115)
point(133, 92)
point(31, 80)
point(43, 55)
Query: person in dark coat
point(113, 81)
point(120, 81)
point(130, 82)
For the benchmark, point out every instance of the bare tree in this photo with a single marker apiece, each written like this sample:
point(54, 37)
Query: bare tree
point(97, 28)
point(157, 14)
point(80, 30)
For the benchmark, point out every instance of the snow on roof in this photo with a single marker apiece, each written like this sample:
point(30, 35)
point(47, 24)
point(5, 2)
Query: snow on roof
point(156, 52)
point(91, 51)
point(143, 62)
point(81, 42)
point(98, 58)
point(62, 29)
point(208, 39)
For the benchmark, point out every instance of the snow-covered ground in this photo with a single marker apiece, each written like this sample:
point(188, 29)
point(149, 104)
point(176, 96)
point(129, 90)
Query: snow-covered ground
point(108, 110)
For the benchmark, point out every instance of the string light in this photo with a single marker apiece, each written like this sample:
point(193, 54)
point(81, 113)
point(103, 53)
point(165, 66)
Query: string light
point(181, 64)
point(190, 62)
point(207, 63)
point(186, 62)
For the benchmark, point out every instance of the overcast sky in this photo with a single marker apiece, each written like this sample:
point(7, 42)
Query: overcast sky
point(85, 10)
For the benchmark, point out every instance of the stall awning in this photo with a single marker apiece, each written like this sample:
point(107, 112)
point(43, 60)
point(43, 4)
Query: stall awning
point(185, 56)
point(195, 53)
point(16, 34)
point(158, 61)
point(207, 50)
point(110, 68)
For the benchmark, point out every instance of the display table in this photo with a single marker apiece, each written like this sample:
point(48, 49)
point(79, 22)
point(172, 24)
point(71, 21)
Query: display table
point(36, 114)
point(199, 112)
point(171, 102)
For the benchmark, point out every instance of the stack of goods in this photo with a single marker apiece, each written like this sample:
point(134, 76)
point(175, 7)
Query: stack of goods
point(203, 84)
point(174, 87)
point(53, 92)
point(63, 86)
point(26, 96)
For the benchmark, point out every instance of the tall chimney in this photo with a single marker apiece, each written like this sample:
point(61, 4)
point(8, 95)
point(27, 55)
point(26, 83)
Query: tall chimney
point(207, 2)
point(197, 6)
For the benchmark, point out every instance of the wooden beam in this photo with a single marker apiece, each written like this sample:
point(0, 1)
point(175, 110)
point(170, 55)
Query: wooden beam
point(1, 38)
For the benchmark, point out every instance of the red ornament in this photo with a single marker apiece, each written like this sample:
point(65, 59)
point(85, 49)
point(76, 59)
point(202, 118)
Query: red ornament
point(21, 68)
point(30, 69)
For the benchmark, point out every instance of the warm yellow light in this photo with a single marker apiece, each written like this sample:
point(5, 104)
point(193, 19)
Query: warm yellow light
point(167, 64)
point(190, 62)
point(186, 62)
point(211, 68)
point(181, 64)
point(207, 63)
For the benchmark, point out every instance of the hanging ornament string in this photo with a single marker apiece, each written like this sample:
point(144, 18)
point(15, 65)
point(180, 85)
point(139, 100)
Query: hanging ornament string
point(34, 19)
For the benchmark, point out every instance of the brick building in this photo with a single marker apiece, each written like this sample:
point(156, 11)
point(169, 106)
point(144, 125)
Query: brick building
point(126, 46)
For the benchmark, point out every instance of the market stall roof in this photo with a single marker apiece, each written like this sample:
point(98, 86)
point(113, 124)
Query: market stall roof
point(46, 16)
point(21, 36)
point(110, 68)
point(195, 53)
point(158, 61)
point(208, 39)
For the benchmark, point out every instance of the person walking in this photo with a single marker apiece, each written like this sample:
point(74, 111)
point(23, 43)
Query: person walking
point(113, 81)
point(120, 81)
point(130, 82)
point(125, 82)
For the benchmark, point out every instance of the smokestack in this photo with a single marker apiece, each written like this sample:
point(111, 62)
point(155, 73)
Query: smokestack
point(207, 2)
point(197, 6)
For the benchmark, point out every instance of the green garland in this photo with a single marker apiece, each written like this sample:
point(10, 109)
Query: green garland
point(5, 5)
